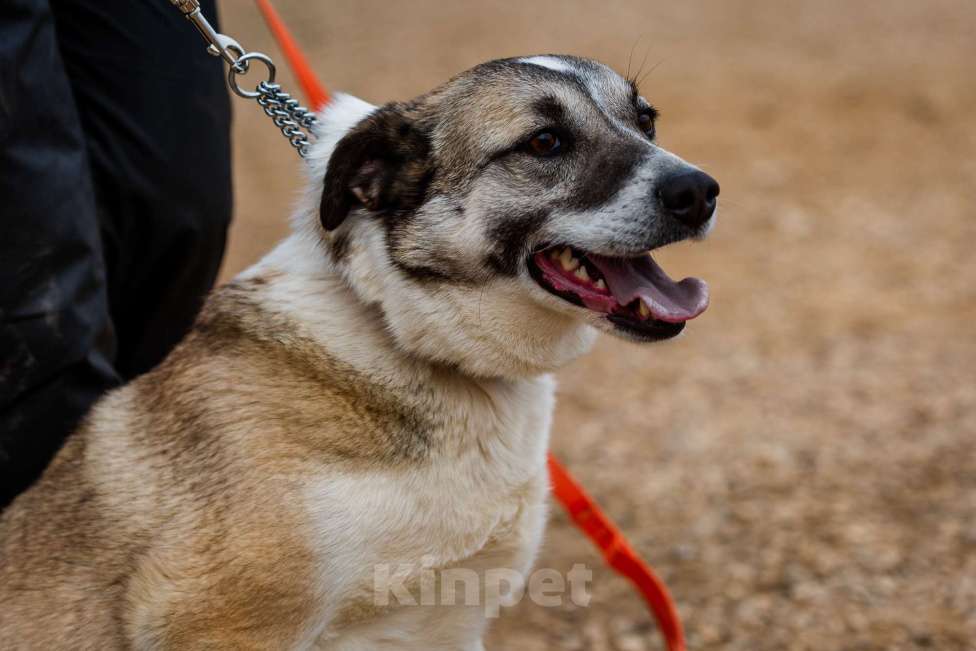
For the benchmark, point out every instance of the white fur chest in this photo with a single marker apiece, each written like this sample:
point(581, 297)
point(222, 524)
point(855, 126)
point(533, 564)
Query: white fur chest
point(479, 504)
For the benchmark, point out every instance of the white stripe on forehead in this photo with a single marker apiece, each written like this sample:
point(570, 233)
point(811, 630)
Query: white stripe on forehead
point(552, 63)
point(596, 84)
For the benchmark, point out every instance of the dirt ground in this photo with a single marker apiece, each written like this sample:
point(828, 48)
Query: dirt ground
point(800, 466)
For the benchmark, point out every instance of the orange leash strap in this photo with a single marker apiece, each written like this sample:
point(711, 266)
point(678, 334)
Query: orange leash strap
point(311, 86)
point(617, 552)
point(581, 508)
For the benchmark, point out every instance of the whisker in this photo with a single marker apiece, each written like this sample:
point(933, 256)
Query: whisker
point(637, 75)
point(630, 56)
point(649, 72)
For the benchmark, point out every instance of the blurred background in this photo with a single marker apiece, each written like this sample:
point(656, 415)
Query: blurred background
point(800, 466)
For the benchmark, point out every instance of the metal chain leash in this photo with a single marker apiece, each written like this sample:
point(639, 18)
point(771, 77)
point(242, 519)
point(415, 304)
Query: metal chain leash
point(295, 121)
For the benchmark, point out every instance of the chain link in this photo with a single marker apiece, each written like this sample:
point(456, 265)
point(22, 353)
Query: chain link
point(287, 114)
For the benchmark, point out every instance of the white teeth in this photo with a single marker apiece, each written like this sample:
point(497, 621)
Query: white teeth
point(600, 284)
point(643, 310)
point(582, 273)
point(567, 260)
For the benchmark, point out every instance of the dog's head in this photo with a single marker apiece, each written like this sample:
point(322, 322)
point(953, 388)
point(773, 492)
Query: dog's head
point(500, 220)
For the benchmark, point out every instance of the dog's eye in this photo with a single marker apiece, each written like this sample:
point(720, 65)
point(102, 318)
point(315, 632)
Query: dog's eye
point(545, 143)
point(646, 123)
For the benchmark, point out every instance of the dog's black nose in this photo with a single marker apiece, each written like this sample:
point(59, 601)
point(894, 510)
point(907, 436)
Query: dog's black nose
point(689, 196)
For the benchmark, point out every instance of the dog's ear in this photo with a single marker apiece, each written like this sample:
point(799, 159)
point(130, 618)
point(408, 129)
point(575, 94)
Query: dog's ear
point(383, 164)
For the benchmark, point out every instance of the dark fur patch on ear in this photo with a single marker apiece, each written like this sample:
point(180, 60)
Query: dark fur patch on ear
point(383, 164)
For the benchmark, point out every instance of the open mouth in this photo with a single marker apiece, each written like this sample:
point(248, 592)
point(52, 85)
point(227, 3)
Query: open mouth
point(633, 293)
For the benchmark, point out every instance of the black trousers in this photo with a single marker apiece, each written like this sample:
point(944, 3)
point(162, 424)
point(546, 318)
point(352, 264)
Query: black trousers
point(115, 197)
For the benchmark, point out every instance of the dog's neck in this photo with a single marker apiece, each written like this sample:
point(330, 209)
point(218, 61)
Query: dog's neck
point(300, 283)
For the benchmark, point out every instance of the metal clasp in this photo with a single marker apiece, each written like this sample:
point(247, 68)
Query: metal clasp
point(219, 45)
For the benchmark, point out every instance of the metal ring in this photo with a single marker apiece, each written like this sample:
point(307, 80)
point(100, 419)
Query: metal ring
point(232, 73)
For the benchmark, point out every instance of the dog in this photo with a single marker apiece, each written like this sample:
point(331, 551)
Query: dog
point(377, 390)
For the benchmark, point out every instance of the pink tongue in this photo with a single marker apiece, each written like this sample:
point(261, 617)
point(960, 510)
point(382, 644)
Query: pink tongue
point(641, 277)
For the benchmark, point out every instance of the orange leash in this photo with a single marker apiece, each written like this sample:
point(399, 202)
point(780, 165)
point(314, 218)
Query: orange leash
point(311, 86)
point(581, 508)
point(617, 552)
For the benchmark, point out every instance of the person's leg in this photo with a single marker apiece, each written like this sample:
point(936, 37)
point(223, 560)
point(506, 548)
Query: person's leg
point(56, 342)
point(156, 116)
point(121, 220)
